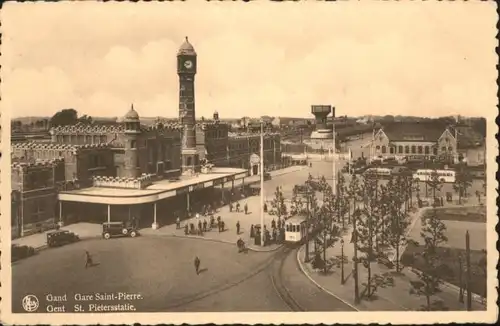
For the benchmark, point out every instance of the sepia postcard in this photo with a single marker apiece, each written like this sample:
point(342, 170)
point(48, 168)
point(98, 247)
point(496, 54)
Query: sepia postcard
point(226, 162)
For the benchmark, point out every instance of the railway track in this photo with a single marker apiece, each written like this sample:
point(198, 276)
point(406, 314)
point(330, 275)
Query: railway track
point(277, 280)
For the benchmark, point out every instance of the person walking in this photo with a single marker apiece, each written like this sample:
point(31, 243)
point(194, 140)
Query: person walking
point(204, 225)
point(246, 208)
point(237, 207)
point(178, 222)
point(197, 263)
point(88, 259)
point(230, 207)
point(238, 228)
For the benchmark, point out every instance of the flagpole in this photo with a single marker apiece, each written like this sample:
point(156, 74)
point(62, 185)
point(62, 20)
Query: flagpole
point(262, 183)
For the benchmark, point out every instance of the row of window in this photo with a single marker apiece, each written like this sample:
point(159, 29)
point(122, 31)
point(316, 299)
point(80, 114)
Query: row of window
point(412, 149)
point(81, 139)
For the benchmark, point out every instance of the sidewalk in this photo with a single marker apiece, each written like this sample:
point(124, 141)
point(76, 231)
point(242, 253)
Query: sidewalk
point(390, 298)
point(230, 219)
point(39, 240)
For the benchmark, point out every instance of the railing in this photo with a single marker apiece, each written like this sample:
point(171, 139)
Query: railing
point(127, 183)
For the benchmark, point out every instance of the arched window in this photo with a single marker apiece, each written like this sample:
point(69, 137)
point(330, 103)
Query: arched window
point(427, 150)
point(413, 149)
point(391, 150)
point(443, 149)
point(420, 149)
point(384, 149)
point(377, 148)
point(435, 150)
point(407, 149)
point(400, 149)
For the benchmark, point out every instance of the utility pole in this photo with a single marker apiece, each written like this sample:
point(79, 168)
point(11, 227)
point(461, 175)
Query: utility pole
point(307, 226)
point(262, 184)
point(467, 260)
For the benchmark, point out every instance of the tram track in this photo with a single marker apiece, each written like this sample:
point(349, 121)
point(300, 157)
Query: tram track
point(277, 280)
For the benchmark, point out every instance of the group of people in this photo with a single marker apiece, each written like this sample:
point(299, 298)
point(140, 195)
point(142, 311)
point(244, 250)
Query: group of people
point(201, 227)
point(276, 235)
point(238, 207)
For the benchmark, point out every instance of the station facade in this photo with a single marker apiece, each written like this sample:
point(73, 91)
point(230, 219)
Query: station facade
point(127, 170)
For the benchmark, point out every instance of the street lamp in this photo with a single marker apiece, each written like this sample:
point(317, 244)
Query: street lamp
point(342, 261)
point(460, 281)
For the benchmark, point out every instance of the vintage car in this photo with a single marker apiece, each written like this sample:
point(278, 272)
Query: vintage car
point(20, 252)
point(61, 237)
point(267, 176)
point(118, 229)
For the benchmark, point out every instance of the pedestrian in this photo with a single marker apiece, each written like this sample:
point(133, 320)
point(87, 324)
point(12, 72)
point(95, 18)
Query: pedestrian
point(200, 226)
point(218, 224)
point(222, 226)
point(265, 207)
point(238, 228)
point(230, 207)
point(275, 240)
point(246, 208)
point(252, 231)
point(134, 222)
point(178, 222)
point(273, 224)
point(204, 225)
point(88, 259)
point(237, 207)
point(197, 265)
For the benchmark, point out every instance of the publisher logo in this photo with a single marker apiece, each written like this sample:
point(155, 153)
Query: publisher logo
point(30, 303)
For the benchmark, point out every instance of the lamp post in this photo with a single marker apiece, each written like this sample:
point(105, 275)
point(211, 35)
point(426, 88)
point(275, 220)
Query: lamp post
point(342, 261)
point(460, 280)
point(262, 235)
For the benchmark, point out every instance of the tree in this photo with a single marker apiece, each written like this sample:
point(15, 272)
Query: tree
point(278, 205)
point(64, 117)
point(435, 184)
point(463, 180)
point(429, 275)
point(85, 119)
point(398, 223)
point(366, 229)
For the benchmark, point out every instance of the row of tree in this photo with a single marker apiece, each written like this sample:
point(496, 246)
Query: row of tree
point(379, 217)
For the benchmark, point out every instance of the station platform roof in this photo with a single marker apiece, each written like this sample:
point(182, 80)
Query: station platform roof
point(157, 191)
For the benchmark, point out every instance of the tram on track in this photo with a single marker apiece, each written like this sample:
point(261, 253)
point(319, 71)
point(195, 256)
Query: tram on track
point(295, 229)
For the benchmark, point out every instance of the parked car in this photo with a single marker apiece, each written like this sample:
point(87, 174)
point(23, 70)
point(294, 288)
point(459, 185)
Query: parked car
point(117, 229)
point(401, 170)
point(61, 237)
point(20, 252)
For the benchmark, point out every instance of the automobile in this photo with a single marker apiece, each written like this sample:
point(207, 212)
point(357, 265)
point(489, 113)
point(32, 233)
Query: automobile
point(117, 229)
point(20, 252)
point(267, 176)
point(401, 170)
point(61, 237)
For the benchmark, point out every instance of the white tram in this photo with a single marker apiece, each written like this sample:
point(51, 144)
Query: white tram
point(295, 229)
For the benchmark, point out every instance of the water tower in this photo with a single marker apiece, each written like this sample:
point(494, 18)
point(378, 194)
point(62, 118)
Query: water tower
point(321, 113)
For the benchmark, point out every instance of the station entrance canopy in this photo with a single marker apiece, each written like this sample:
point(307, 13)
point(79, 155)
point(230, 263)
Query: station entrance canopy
point(157, 191)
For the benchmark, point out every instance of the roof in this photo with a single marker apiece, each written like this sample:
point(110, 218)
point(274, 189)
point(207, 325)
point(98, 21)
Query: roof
point(37, 163)
point(56, 146)
point(408, 131)
point(81, 128)
point(468, 137)
point(186, 48)
point(132, 114)
point(250, 134)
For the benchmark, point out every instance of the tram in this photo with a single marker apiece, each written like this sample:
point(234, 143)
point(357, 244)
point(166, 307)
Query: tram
point(295, 229)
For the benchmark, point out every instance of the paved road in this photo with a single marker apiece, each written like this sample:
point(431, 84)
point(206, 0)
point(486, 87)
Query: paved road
point(161, 271)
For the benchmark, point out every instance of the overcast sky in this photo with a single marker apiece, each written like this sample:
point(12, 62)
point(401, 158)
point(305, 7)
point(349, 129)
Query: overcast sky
point(420, 58)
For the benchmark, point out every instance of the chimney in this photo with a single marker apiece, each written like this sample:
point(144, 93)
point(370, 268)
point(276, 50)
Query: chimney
point(216, 116)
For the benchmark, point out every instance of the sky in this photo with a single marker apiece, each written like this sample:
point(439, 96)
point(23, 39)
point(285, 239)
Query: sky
point(409, 58)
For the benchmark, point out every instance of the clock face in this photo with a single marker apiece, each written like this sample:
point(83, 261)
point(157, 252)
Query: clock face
point(188, 64)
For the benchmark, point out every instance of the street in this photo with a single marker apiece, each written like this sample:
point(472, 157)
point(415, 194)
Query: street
point(161, 271)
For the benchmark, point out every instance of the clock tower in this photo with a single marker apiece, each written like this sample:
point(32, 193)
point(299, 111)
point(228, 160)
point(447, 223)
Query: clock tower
point(186, 69)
